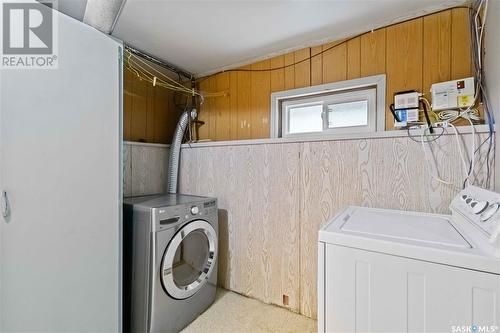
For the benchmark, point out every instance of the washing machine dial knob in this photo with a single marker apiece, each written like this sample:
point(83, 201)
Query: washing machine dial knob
point(489, 211)
point(195, 210)
point(479, 206)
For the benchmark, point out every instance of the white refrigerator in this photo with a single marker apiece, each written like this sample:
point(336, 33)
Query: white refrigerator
point(61, 185)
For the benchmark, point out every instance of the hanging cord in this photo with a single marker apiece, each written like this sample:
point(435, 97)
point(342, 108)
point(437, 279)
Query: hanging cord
point(426, 114)
point(447, 117)
point(148, 73)
point(436, 176)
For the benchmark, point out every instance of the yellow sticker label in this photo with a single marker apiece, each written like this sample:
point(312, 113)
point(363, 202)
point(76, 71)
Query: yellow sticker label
point(465, 101)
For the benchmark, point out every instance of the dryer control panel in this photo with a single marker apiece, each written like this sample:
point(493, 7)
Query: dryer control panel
point(172, 216)
point(481, 208)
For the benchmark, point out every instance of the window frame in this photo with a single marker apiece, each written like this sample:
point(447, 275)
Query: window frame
point(365, 94)
point(337, 92)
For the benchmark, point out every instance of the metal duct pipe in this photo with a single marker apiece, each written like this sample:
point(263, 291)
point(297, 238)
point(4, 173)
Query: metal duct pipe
point(103, 15)
point(175, 152)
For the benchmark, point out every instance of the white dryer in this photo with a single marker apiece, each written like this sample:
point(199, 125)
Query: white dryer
point(384, 270)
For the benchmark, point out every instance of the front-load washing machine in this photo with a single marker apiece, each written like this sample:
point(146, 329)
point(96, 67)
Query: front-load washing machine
point(170, 261)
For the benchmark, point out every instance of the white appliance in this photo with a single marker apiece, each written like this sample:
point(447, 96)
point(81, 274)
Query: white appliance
point(384, 270)
point(60, 169)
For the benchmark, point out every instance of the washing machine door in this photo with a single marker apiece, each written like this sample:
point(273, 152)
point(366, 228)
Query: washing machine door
point(189, 259)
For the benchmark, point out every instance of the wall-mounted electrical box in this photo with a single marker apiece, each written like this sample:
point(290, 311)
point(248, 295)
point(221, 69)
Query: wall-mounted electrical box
point(453, 94)
point(406, 108)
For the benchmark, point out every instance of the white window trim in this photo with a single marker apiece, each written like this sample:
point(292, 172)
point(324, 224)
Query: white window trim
point(277, 98)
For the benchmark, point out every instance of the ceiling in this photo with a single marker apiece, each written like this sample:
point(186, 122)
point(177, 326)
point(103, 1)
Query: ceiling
point(205, 36)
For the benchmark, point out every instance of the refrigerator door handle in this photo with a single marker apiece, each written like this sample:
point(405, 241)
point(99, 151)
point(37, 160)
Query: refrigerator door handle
point(5, 205)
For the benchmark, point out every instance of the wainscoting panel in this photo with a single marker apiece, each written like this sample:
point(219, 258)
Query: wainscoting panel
point(387, 173)
point(257, 187)
point(145, 169)
point(274, 197)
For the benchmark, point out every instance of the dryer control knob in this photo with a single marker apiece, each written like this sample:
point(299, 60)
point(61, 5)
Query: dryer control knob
point(195, 210)
point(489, 212)
point(479, 207)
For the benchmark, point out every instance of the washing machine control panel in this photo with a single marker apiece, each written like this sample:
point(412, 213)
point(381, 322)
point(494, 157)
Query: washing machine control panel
point(195, 210)
point(480, 207)
point(172, 216)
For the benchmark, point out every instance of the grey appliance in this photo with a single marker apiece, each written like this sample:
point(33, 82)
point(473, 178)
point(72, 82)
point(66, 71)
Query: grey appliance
point(170, 261)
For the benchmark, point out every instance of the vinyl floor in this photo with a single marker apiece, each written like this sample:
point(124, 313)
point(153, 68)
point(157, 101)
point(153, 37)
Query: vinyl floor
point(234, 313)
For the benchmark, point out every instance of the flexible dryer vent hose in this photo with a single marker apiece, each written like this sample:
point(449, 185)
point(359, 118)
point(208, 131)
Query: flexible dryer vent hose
point(175, 152)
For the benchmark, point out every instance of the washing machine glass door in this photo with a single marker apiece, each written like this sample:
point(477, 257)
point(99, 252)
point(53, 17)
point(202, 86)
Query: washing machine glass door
point(189, 259)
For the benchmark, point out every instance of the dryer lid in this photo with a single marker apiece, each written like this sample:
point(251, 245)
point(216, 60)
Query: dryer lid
point(404, 226)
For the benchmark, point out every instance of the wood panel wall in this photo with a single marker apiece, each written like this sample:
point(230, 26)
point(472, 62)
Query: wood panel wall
point(149, 113)
point(413, 54)
point(273, 199)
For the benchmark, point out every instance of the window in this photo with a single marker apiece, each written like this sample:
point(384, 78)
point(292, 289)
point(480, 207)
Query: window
point(353, 106)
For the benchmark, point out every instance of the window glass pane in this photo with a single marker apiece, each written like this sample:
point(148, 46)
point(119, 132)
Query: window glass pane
point(304, 119)
point(191, 258)
point(348, 114)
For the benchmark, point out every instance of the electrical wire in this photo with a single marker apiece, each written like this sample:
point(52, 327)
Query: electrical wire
point(148, 73)
point(478, 16)
point(426, 114)
point(435, 137)
point(478, 19)
point(453, 115)
point(436, 175)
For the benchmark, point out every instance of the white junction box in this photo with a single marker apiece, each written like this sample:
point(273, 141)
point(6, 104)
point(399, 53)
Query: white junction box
point(453, 94)
point(406, 108)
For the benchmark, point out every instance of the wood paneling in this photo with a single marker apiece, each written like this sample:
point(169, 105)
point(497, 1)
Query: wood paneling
point(260, 102)
point(212, 105)
point(289, 71)
point(354, 58)
point(204, 114)
point(461, 64)
point(316, 65)
point(233, 105)
point(437, 53)
point(404, 63)
point(278, 75)
point(149, 112)
point(302, 68)
point(259, 235)
point(373, 53)
point(273, 198)
point(244, 108)
point(412, 54)
point(145, 169)
point(222, 108)
point(334, 63)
